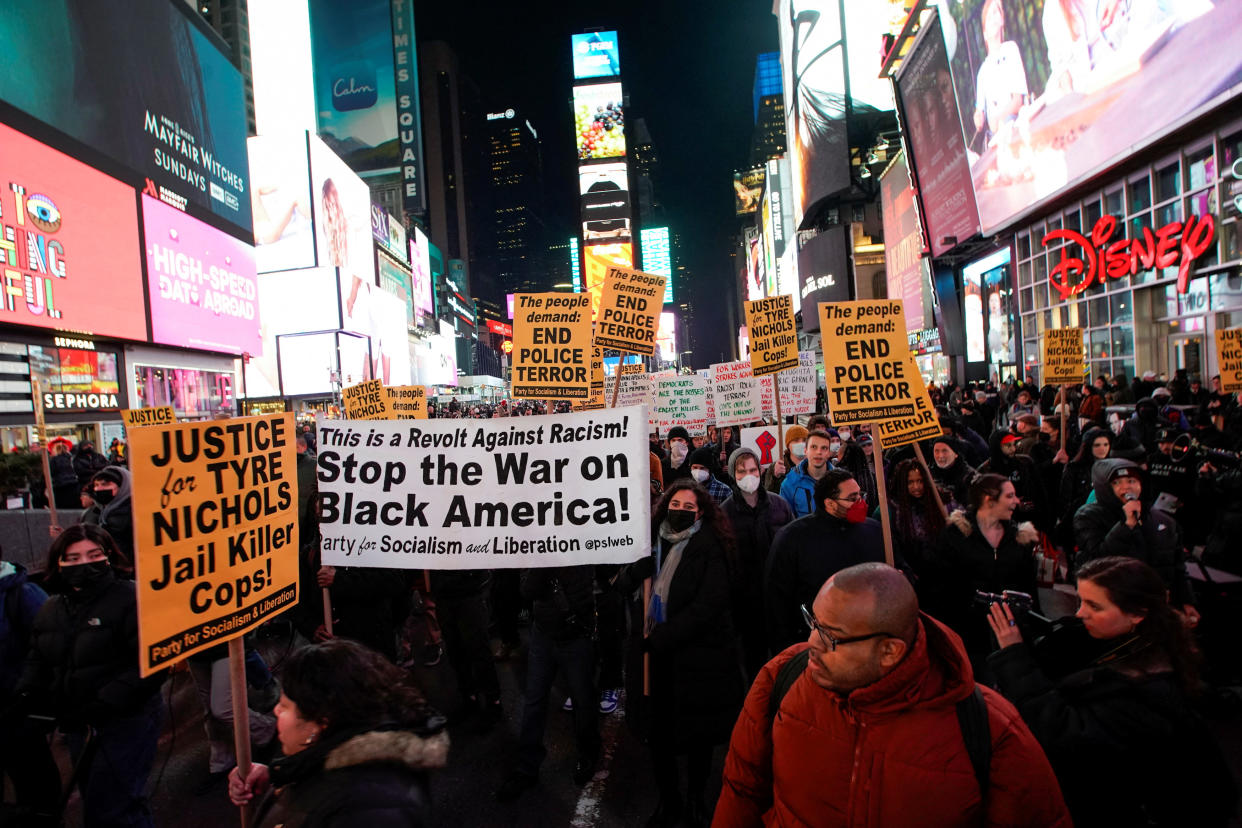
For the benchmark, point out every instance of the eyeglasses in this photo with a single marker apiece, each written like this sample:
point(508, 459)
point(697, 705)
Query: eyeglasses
point(831, 643)
point(854, 498)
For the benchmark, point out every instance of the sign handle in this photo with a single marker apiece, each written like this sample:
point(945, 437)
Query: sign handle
point(1064, 412)
point(616, 386)
point(41, 430)
point(885, 523)
point(780, 421)
point(327, 611)
point(918, 452)
point(646, 656)
point(241, 714)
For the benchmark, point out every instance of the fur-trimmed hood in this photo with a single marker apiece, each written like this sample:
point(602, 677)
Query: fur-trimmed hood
point(1025, 532)
point(392, 746)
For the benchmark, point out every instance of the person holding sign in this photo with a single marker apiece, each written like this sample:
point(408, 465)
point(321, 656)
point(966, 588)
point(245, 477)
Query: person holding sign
point(83, 670)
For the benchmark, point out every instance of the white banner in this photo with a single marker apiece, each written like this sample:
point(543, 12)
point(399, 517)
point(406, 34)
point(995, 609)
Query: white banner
point(680, 400)
point(635, 390)
point(555, 490)
point(764, 442)
point(706, 374)
point(798, 386)
point(735, 394)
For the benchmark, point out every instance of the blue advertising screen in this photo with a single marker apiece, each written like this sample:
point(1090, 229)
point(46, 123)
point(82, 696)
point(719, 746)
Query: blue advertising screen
point(596, 55)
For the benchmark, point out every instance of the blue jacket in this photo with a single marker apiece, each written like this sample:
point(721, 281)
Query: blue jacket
point(798, 489)
point(19, 604)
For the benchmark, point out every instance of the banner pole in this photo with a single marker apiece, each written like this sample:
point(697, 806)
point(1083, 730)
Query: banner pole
point(918, 452)
point(241, 714)
point(41, 431)
point(878, 456)
point(1064, 412)
point(327, 610)
point(616, 386)
point(646, 656)
point(780, 421)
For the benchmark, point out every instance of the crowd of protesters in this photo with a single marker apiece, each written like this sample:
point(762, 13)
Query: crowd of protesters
point(766, 616)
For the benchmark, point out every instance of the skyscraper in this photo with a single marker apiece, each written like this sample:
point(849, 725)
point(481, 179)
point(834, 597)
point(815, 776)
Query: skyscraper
point(768, 139)
point(231, 20)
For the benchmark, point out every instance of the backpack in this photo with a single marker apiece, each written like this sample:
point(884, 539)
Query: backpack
point(972, 717)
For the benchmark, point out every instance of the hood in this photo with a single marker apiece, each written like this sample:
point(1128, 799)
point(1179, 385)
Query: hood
point(1146, 409)
point(123, 491)
point(935, 673)
point(997, 456)
point(400, 747)
point(1024, 533)
point(12, 575)
point(740, 452)
point(1099, 480)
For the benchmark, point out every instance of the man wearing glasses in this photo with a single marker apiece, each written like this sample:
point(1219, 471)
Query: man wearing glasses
point(869, 732)
point(807, 551)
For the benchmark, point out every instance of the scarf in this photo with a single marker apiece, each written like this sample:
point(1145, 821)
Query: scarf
point(667, 568)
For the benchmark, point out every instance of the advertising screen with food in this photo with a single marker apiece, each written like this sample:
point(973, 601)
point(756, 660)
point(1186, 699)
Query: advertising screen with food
point(599, 121)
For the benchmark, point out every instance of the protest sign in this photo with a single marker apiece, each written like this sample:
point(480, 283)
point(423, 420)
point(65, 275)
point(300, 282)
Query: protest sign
point(366, 401)
point(635, 390)
point(1064, 356)
point(629, 310)
point(680, 399)
point(159, 415)
point(215, 531)
point(706, 374)
point(773, 336)
point(866, 361)
point(734, 394)
point(764, 441)
point(552, 346)
point(562, 490)
point(596, 400)
point(798, 386)
point(1229, 359)
point(408, 402)
point(632, 368)
point(923, 425)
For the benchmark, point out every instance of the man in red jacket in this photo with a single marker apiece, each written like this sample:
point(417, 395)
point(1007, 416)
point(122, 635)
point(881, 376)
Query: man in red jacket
point(869, 734)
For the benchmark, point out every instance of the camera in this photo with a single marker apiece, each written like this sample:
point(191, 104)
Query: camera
point(1017, 601)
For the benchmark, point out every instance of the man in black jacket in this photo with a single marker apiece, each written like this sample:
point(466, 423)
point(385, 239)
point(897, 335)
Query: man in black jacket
point(1021, 471)
point(677, 463)
point(562, 636)
point(1118, 523)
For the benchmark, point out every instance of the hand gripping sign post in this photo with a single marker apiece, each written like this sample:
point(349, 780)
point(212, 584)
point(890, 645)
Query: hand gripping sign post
point(1064, 364)
point(629, 314)
point(869, 375)
point(367, 401)
point(216, 541)
point(773, 343)
point(552, 346)
point(1229, 359)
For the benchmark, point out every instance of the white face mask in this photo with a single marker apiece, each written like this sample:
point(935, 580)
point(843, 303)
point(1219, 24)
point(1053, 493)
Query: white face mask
point(748, 484)
point(834, 446)
point(700, 475)
point(797, 449)
point(844, 434)
point(679, 451)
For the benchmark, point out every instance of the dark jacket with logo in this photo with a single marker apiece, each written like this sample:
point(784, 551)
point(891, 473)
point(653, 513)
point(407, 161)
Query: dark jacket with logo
point(562, 600)
point(1101, 530)
point(83, 661)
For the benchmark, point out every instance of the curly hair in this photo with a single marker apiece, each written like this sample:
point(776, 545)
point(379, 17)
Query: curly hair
point(906, 505)
point(712, 518)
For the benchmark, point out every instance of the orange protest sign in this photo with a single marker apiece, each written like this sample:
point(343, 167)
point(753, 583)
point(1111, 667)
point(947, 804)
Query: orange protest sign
point(159, 415)
point(367, 401)
point(408, 402)
point(552, 346)
point(629, 310)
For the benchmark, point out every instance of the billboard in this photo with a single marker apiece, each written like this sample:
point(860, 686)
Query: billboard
point(316, 309)
point(284, 238)
point(75, 379)
point(147, 88)
point(987, 306)
point(597, 259)
point(343, 233)
point(595, 55)
point(202, 283)
point(934, 138)
point(409, 112)
point(906, 270)
point(435, 358)
point(824, 271)
point(1049, 94)
point(395, 279)
point(657, 256)
point(753, 248)
point(599, 121)
point(60, 266)
point(307, 362)
point(747, 190)
point(605, 192)
point(813, 73)
point(666, 337)
point(420, 272)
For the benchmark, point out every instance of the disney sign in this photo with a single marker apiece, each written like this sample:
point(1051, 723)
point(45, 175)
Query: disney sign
point(1176, 243)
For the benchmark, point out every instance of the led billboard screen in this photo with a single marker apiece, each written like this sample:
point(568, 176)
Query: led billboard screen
point(595, 55)
point(395, 279)
point(824, 272)
point(599, 121)
point(987, 306)
point(420, 272)
point(316, 309)
point(147, 87)
point(60, 266)
point(284, 237)
point(657, 251)
point(202, 283)
point(343, 233)
point(76, 379)
point(307, 362)
point(747, 190)
point(1049, 94)
point(598, 257)
point(605, 195)
point(666, 337)
point(906, 270)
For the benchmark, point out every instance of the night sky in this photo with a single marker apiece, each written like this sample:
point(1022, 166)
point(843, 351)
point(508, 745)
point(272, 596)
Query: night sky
point(688, 69)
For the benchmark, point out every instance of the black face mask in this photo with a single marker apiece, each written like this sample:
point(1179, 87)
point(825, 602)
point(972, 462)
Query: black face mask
point(81, 576)
point(1045, 437)
point(679, 520)
point(103, 496)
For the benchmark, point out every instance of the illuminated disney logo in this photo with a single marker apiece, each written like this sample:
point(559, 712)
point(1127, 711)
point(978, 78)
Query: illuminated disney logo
point(1176, 243)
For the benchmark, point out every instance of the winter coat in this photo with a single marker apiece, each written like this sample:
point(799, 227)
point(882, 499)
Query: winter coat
point(563, 600)
point(1144, 423)
point(805, 554)
point(20, 601)
point(376, 777)
point(369, 604)
point(63, 474)
point(86, 462)
point(1101, 530)
point(956, 478)
point(1125, 744)
point(798, 489)
point(1021, 472)
point(1222, 493)
point(754, 529)
point(83, 660)
point(888, 755)
point(459, 584)
point(963, 562)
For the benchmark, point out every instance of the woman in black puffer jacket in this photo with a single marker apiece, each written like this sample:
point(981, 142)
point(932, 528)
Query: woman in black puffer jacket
point(359, 745)
point(83, 669)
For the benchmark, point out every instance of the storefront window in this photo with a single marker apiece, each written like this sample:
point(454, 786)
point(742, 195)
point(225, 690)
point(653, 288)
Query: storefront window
point(1071, 221)
point(1100, 344)
point(1200, 168)
point(1122, 305)
point(1112, 203)
point(1091, 212)
point(1123, 341)
point(1139, 191)
point(1024, 246)
point(1099, 311)
point(1024, 274)
point(193, 394)
point(1168, 214)
point(1168, 182)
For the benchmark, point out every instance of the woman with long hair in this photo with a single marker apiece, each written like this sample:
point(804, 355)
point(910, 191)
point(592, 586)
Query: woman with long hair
point(695, 674)
point(917, 520)
point(1097, 444)
point(359, 744)
point(1119, 728)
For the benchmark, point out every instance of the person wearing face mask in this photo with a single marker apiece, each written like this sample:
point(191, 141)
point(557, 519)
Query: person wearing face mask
point(1119, 727)
point(82, 669)
point(982, 549)
point(111, 489)
point(703, 470)
point(949, 468)
point(807, 551)
point(794, 453)
point(798, 489)
point(1050, 459)
point(677, 463)
point(756, 516)
point(695, 679)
